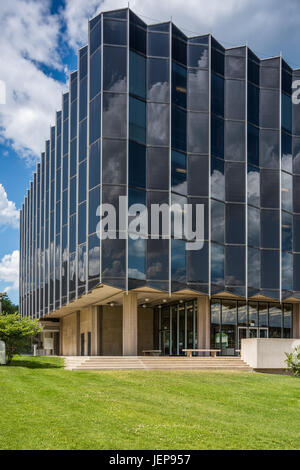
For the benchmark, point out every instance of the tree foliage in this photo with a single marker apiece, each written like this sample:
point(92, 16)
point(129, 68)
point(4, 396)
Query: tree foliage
point(7, 306)
point(15, 331)
point(293, 362)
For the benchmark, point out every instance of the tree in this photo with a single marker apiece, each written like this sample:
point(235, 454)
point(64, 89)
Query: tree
point(7, 306)
point(15, 330)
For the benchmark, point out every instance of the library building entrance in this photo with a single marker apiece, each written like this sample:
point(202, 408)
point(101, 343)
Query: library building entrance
point(177, 328)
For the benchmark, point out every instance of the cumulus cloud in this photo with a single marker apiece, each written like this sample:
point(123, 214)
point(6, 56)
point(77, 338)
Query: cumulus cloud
point(269, 27)
point(9, 215)
point(9, 271)
point(29, 38)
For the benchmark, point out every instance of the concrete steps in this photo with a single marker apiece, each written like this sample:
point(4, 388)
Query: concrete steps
point(154, 363)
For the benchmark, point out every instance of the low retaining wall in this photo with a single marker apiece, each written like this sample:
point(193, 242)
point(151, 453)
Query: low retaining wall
point(264, 354)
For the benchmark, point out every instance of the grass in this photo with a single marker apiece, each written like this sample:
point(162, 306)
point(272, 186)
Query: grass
point(43, 406)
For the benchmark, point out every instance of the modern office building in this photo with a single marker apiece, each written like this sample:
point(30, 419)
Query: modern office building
point(160, 117)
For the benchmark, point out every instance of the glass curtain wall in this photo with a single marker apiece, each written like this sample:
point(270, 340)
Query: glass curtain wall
point(162, 118)
point(232, 321)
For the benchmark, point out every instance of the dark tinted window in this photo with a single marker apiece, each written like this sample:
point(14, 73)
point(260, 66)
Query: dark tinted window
point(114, 69)
point(158, 45)
point(158, 80)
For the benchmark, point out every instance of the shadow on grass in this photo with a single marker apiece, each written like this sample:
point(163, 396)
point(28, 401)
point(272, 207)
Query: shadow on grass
point(37, 363)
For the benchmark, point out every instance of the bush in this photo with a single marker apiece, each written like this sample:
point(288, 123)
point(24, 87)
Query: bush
point(293, 362)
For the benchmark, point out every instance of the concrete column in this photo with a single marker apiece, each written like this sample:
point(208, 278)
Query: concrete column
point(203, 323)
point(77, 333)
point(61, 336)
point(296, 321)
point(130, 324)
point(95, 331)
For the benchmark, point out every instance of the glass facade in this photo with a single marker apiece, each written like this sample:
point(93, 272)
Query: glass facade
point(159, 117)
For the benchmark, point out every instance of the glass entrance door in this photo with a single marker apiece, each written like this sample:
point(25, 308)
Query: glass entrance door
point(177, 328)
point(165, 342)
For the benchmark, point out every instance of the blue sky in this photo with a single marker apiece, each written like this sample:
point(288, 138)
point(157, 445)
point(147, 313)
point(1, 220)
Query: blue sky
point(39, 42)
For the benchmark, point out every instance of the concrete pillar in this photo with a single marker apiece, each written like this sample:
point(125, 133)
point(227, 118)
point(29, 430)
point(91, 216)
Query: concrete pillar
point(130, 324)
point(95, 331)
point(296, 321)
point(203, 323)
point(77, 333)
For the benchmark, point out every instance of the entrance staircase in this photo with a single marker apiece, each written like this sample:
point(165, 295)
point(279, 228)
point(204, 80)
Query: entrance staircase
point(154, 363)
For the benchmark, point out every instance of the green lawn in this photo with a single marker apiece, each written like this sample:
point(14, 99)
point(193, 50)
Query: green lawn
point(43, 406)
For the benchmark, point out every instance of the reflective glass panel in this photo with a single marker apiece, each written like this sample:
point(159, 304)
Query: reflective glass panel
point(178, 172)
point(137, 258)
point(179, 82)
point(158, 80)
point(137, 165)
point(114, 115)
point(94, 165)
point(269, 108)
point(235, 99)
point(234, 141)
point(137, 74)
point(114, 32)
point(235, 266)
point(158, 44)
point(269, 149)
point(114, 69)
point(198, 132)
point(198, 86)
point(158, 168)
point(158, 124)
point(269, 269)
point(217, 179)
point(114, 167)
point(270, 229)
point(178, 260)
point(217, 264)
point(235, 224)
point(253, 226)
point(137, 120)
point(287, 231)
point(287, 191)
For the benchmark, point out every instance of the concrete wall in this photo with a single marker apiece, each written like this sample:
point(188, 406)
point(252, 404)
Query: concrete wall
point(69, 331)
point(111, 331)
point(267, 353)
point(86, 326)
point(145, 329)
point(106, 325)
point(296, 321)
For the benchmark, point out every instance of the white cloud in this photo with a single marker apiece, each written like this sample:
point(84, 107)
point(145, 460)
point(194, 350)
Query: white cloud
point(9, 215)
point(268, 27)
point(9, 271)
point(29, 37)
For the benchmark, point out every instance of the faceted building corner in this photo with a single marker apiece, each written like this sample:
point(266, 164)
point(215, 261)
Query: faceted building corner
point(162, 118)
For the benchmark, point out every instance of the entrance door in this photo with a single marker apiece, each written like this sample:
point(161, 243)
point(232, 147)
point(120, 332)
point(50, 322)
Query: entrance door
point(165, 342)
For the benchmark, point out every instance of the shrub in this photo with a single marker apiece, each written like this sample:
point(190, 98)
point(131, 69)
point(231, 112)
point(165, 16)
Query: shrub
point(293, 361)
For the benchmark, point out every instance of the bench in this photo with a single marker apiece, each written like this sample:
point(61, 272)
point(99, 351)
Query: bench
point(189, 352)
point(152, 352)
